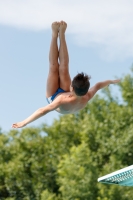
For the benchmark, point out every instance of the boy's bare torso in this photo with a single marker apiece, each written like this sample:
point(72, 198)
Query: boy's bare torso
point(71, 103)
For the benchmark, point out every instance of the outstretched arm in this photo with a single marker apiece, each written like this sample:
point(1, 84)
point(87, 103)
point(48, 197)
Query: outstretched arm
point(99, 86)
point(38, 113)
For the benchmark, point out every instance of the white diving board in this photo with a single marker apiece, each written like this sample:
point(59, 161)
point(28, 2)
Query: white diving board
point(121, 177)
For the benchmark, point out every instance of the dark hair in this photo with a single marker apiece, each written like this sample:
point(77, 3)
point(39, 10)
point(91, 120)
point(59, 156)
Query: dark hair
point(81, 84)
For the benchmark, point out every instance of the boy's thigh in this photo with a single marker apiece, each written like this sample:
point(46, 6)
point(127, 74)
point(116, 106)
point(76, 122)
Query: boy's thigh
point(65, 80)
point(52, 83)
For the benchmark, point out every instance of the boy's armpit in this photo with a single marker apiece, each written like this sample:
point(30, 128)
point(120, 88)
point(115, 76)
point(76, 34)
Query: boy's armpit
point(55, 104)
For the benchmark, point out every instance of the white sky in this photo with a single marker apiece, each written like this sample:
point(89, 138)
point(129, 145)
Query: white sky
point(106, 23)
point(99, 37)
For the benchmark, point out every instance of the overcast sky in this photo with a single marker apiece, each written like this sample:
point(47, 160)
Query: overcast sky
point(100, 43)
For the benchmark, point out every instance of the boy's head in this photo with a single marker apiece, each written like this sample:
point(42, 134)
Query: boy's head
point(81, 84)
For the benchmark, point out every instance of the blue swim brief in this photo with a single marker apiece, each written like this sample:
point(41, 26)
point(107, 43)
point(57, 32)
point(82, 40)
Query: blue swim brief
point(50, 99)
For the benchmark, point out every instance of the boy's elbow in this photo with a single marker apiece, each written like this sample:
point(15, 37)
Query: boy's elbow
point(47, 109)
point(98, 86)
point(43, 111)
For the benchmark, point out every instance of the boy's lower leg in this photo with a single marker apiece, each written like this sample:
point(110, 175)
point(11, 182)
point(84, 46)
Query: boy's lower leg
point(53, 76)
point(65, 80)
point(54, 53)
point(63, 52)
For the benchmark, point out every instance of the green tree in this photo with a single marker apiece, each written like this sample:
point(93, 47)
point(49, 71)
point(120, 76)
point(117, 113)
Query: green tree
point(77, 174)
point(126, 87)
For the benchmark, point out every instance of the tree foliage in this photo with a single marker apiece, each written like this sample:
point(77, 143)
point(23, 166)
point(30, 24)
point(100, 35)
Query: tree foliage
point(63, 161)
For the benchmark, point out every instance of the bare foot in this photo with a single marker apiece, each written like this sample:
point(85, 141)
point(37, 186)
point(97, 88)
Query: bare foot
point(18, 125)
point(55, 28)
point(63, 26)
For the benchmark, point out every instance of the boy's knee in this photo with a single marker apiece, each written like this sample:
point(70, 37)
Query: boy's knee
point(63, 70)
point(53, 69)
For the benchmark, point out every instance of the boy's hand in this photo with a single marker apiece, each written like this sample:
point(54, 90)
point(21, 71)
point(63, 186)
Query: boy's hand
point(18, 125)
point(115, 81)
